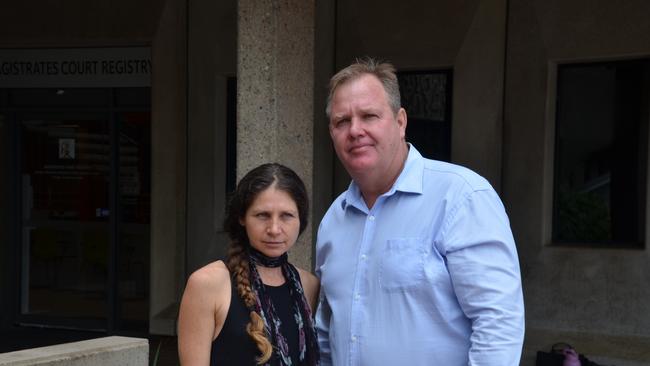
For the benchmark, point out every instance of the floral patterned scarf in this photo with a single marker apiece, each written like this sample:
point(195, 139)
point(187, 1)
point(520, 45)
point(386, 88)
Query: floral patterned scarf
point(308, 346)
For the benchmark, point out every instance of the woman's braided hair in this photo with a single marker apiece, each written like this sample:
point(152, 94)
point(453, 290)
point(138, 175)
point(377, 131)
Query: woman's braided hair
point(250, 186)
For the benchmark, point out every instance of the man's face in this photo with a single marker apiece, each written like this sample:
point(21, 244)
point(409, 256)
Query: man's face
point(367, 135)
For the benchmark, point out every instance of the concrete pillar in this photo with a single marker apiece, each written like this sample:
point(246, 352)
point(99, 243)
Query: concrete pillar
point(275, 92)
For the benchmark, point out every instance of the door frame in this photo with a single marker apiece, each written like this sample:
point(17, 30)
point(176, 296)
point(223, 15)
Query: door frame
point(114, 122)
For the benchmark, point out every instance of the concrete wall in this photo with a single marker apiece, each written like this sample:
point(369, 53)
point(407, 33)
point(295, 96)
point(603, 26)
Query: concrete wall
point(168, 167)
point(582, 289)
point(212, 59)
point(107, 351)
point(468, 36)
point(94, 23)
point(8, 222)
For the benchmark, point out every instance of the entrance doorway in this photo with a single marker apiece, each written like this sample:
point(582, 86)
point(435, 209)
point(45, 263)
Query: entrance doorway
point(84, 203)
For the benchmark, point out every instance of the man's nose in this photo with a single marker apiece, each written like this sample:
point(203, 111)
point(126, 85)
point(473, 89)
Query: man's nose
point(356, 128)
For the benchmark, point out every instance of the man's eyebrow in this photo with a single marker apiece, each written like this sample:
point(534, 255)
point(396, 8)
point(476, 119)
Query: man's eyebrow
point(370, 109)
point(340, 115)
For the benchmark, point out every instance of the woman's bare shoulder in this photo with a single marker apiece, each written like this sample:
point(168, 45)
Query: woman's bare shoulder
point(214, 274)
point(309, 282)
point(306, 276)
point(202, 312)
point(311, 286)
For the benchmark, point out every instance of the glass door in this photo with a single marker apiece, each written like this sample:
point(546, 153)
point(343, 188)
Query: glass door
point(134, 217)
point(66, 226)
point(84, 192)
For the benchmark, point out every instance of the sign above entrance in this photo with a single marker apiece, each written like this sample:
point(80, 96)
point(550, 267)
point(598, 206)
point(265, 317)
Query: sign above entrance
point(75, 67)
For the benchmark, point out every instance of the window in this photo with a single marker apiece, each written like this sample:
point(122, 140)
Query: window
point(601, 148)
point(426, 96)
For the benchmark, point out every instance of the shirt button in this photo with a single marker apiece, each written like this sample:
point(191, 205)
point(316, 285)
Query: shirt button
point(354, 339)
point(363, 256)
point(371, 218)
point(357, 297)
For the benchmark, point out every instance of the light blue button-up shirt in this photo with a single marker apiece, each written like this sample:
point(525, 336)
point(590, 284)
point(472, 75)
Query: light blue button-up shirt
point(428, 276)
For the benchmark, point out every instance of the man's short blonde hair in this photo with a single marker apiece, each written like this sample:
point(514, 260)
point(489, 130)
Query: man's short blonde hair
point(383, 71)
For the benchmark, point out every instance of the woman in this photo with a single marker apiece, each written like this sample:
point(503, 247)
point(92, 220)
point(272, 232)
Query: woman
point(254, 308)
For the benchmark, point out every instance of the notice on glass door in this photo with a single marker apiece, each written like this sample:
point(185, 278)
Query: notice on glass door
point(66, 149)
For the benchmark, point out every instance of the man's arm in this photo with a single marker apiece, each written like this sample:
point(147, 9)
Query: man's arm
point(484, 269)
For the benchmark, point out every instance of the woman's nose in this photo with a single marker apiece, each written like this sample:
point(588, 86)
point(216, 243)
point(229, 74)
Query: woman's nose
point(274, 227)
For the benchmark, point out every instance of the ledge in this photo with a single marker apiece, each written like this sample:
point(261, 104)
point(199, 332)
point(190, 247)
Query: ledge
point(107, 351)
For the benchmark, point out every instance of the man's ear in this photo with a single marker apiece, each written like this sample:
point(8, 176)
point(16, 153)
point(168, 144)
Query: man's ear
point(401, 122)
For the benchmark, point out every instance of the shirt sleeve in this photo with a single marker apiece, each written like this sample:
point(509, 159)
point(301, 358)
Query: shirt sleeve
point(323, 315)
point(481, 256)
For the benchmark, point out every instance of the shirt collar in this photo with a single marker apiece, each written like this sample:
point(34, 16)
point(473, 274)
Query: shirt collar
point(408, 181)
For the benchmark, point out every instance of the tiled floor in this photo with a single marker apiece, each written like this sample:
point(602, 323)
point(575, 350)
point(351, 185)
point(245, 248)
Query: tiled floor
point(605, 350)
point(163, 351)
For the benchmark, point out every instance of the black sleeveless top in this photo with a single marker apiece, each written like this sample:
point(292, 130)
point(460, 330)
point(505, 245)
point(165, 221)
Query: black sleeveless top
point(233, 346)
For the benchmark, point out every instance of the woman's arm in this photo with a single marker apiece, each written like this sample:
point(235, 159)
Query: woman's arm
point(203, 310)
point(311, 286)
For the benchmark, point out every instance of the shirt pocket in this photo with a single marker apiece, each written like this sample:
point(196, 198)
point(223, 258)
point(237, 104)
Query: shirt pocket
point(402, 264)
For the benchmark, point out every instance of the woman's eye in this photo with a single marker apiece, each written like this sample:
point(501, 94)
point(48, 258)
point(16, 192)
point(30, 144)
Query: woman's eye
point(287, 215)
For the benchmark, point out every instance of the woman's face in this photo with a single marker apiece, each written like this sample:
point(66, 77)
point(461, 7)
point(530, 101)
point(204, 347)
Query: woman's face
point(272, 222)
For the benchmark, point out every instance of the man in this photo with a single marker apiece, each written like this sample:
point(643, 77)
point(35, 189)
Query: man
point(417, 262)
